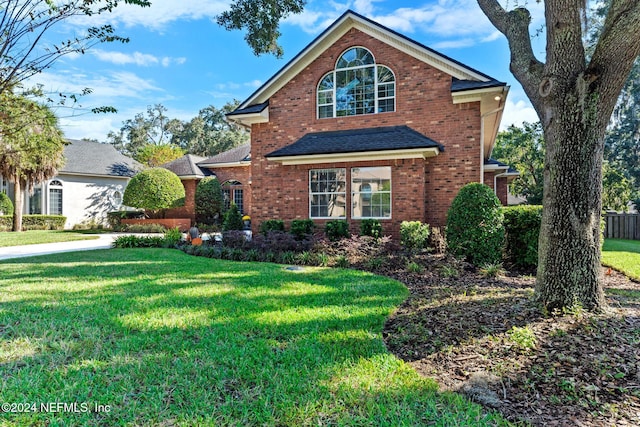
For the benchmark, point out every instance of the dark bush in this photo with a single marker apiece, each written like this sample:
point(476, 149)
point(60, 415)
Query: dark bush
point(414, 235)
point(6, 223)
point(232, 219)
point(209, 201)
point(114, 218)
point(6, 206)
point(271, 225)
point(301, 228)
point(130, 241)
point(236, 239)
point(371, 227)
point(475, 226)
point(522, 228)
point(337, 229)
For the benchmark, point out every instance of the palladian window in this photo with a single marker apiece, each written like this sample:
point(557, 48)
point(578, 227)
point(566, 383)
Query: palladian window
point(357, 86)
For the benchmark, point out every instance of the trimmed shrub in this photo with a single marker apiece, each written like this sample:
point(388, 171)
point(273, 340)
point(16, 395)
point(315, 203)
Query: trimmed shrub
point(43, 222)
point(6, 223)
point(475, 228)
point(522, 228)
point(371, 227)
point(6, 206)
point(414, 235)
point(209, 201)
point(232, 219)
point(154, 190)
point(271, 225)
point(130, 241)
point(337, 229)
point(302, 228)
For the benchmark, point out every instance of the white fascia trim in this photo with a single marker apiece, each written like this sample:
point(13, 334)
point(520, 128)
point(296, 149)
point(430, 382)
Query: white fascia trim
point(476, 95)
point(224, 165)
point(92, 175)
point(492, 168)
point(251, 118)
point(416, 153)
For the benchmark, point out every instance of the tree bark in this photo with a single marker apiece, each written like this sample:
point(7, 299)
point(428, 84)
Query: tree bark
point(574, 101)
point(18, 188)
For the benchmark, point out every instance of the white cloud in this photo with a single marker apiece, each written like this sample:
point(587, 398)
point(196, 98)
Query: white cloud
point(517, 112)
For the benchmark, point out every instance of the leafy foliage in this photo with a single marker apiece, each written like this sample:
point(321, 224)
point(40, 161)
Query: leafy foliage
point(32, 146)
point(301, 228)
point(271, 225)
point(232, 219)
point(414, 235)
point(209, 201)
point(154, 190)
point(156, 155)
point(523, 149)
point(261, 20)
point(6, 206)
point(522, 228)
point(475, 227)
point(337, 229)
point(371, 227)
point(617, 187)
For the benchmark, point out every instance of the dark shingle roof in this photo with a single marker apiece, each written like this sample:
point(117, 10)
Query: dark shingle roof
point(93, 158)
point(500, 164)
point(255, 108)
point(187, 166)
point(462, 85)
point(241, 153)
point(357, 140)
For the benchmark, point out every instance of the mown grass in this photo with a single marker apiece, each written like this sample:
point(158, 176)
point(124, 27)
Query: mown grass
point(622, 255)
point(33, 237)
point(164, 338)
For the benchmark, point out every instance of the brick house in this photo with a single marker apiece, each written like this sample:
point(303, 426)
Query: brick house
point(367, 123)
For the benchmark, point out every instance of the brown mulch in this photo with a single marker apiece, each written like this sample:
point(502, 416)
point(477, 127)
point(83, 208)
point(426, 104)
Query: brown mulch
point(486, 338)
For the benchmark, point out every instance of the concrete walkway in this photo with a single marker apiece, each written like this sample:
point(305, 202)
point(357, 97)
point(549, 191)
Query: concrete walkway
point(105, 241)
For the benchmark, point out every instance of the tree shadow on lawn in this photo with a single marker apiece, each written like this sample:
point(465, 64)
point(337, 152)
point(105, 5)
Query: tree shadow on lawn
point(224, 343)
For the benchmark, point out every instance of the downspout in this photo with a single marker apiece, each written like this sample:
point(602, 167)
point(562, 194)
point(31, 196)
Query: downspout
point(485, 115)
point(495, 181)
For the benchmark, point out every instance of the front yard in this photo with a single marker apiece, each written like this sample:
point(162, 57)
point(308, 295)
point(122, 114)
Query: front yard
point(157, 337)
point(33, 237)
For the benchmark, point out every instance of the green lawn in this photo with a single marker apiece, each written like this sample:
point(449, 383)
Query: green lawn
point(40, 236)
point(164, 338)
point(623, 255)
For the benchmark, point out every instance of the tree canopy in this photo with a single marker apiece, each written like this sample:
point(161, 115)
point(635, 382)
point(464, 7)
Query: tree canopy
point(25, 23)
point(31, 146)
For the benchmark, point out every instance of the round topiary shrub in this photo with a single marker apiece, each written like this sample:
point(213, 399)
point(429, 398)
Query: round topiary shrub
point(154, 190)
point(6, 207)
point(209, 201)
point(475, 226)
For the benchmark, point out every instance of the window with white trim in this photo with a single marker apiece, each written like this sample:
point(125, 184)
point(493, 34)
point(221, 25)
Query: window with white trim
point(4, 185)
point(371, 192)
point(356, 86)
point(55, 197)
point(35, 200)
point(232, 192)
point(327, 193)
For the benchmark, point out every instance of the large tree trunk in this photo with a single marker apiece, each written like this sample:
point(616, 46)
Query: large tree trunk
point(574, 98)
point(569, 272)
point(18, 189)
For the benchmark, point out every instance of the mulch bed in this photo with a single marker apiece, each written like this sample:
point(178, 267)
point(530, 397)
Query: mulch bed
point(486, 338)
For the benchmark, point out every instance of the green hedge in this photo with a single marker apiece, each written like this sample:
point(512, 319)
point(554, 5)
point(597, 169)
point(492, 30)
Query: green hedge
point(271, 225)
point(522, 227)
point(6, 205)
point(34, 222)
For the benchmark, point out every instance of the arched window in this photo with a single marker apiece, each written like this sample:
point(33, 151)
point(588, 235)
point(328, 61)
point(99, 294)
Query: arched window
point(356, 86)
point(55, 197)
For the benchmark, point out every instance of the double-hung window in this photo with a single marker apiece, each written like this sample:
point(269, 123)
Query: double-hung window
point(327, 193)
point(371, 192)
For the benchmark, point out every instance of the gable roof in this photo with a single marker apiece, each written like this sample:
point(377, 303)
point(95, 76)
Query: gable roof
point(234, 157)
point(186, 167)
point(381, 142)
point(344, 23)
point(93, 158)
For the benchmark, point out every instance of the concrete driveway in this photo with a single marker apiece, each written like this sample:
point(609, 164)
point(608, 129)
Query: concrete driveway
point(104, 241)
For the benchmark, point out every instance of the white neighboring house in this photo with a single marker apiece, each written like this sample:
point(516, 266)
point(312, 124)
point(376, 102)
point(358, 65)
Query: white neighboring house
point(90, 184)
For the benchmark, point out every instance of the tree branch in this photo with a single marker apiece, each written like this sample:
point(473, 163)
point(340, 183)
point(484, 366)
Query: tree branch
point(515, 26)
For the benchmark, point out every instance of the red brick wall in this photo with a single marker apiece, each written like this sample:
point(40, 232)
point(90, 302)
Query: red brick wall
point(421, 189)
point(501, 191)
point(188, 210)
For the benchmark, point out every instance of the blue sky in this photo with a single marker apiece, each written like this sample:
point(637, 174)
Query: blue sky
point(179, 57)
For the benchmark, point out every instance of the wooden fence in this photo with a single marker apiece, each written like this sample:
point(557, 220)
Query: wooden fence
point(622, 226)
